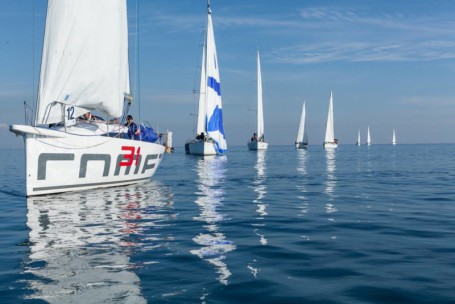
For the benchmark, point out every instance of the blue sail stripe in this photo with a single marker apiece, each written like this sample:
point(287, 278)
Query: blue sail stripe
point(212, 83)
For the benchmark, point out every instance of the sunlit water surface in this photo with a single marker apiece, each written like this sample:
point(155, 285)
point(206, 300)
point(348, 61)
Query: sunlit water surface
point(356, 225)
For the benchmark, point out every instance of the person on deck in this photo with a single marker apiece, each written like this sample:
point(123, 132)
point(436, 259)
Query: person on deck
point(201, 136)
point(133, 129)
point(87, 116)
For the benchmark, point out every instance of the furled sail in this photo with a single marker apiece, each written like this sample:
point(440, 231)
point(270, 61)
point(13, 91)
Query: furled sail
point(85, 58)
point(214, 110)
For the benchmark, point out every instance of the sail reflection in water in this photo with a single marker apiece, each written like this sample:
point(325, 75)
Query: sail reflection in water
point(301, 186)
point(331, 181)
point(80, 243)
point(214, 246)
point(260, 188)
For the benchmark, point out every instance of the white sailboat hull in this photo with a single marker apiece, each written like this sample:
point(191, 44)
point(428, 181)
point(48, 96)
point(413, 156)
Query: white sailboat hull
point(202, 148)
point(330, 145)
point(301, 145)
point(58, 161)
point(257, 145)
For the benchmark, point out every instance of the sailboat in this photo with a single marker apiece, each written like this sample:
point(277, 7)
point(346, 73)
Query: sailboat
point(84, 67)
point(368, 137)
point(330, 141)
point(210, 138)
point(257, 142)
point(358, 138)
point(302, 138)
point(394, 139)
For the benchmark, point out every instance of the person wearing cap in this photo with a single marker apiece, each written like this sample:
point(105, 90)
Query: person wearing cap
point(133, 130)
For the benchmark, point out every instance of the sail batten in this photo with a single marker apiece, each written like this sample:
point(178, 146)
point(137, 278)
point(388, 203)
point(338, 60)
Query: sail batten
point(85, 58)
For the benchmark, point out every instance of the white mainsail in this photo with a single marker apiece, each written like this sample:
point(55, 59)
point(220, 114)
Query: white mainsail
point(214, 108)
point(358, 138)
point(260, 113)
point(301, 135)
point(329, 131)
point(368, 136)
point(394, 139)
point(78, 52)
point(201, 122)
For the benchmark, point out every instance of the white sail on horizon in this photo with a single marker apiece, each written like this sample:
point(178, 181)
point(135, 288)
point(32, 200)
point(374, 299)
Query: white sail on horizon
point(329, 131)
point(368, 136)
point(260, 112)
point(301, 135)
point(71, 72)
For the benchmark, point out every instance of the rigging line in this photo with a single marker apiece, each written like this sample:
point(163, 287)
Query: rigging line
point(33, 48)
point(137, 67)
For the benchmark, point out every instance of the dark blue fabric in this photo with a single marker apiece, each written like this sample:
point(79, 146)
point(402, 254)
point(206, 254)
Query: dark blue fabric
point(216, 121)
point(212, 83)
point(148, 134)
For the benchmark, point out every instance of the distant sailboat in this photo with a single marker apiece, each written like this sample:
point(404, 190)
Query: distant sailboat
point(358, 138)
point(330, 141)
point(302, 138)
point(210, 137)
point(368, 137)
point(257, 142)
point(394, 139)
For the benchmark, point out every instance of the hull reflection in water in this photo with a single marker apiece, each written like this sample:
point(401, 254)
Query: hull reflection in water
point(214, 245)
point(81, 243)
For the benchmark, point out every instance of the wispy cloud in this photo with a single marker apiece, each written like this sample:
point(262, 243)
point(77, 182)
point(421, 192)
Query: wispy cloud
point(3, 125)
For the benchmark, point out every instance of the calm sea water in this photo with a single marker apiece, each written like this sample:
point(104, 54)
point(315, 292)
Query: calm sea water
point(359, 225)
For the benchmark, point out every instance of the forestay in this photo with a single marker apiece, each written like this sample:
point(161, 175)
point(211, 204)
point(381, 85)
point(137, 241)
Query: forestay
point(85, 58)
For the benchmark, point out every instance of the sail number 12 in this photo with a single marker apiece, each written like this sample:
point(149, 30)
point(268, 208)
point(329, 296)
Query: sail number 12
point(70, 120)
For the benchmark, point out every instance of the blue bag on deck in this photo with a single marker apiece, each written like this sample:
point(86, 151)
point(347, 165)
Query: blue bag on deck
point(148, 134)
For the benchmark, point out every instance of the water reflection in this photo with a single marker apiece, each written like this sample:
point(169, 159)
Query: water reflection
point(259, 186)
point(214, 245)
point(81, 243)
point(330, 181)
point(301, 186)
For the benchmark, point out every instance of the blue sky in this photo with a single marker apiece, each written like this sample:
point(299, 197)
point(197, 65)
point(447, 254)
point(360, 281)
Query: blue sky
point(390, 64)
